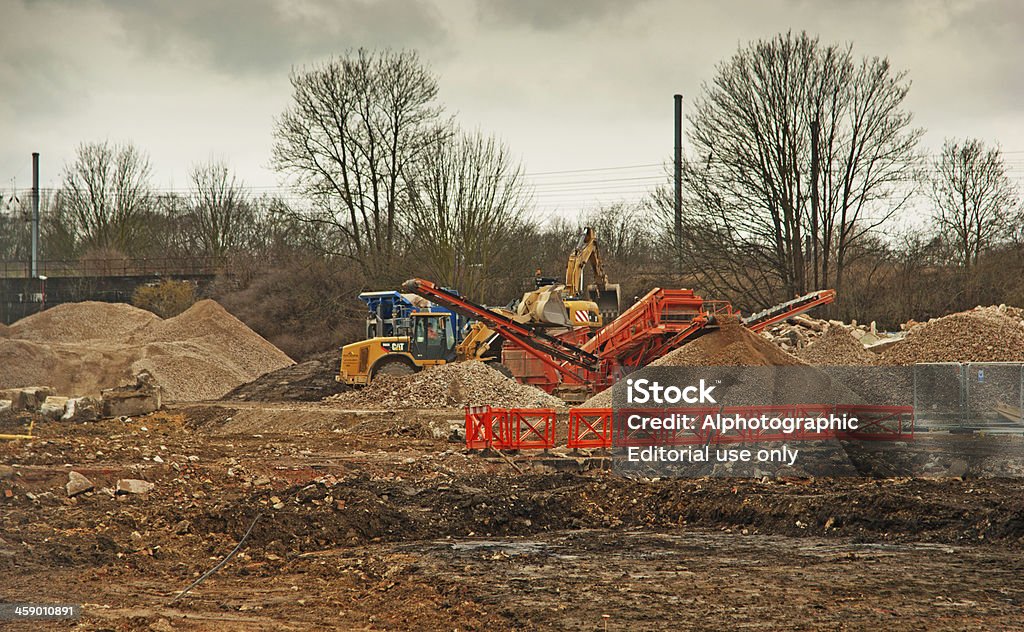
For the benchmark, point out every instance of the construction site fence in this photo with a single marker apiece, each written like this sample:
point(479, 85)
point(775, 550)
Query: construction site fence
point(970, 396)
point(535, 428)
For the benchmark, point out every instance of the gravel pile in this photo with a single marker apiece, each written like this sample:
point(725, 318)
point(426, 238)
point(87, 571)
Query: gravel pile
point(81, 348)
point(836, 347)
point(447, 386)
point(984, 334)
point(78, 322)
point(731, 344)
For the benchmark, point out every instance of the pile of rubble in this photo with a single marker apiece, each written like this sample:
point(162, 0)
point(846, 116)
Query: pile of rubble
point(837, 346)
point(799, 332)
point(447, 386)
point(983, 334)
point(79, 349)
point(141, 397)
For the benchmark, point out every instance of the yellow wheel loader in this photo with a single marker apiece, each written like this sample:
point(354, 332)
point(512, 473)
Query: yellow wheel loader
point(432, 341)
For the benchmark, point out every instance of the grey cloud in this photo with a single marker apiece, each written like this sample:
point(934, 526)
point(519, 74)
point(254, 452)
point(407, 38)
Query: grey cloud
point(253, 36)
point(550, 15)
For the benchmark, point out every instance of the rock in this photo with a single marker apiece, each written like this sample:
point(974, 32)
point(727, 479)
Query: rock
point(53, 407)
point(6, 472)
point(77, 484)
point(82, 409)
point(957, 468)
point(27, 398)
point(133, 486)
point(6, 404)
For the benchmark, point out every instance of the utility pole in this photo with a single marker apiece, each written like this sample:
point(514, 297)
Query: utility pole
point(814, 202)
point(35, 215)
point(679, 174)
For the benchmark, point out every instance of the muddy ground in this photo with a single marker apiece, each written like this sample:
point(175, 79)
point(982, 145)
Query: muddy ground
point(378, 521)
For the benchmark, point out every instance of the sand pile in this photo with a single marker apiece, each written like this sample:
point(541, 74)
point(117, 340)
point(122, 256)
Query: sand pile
point(447, 386)
point(81, 348)
point(836, 347)
point(984, 334)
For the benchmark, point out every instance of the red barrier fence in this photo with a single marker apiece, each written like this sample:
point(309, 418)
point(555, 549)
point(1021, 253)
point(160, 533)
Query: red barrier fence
point(534, 428)
point(590, 428)
point(528, 429)
point(510, 429)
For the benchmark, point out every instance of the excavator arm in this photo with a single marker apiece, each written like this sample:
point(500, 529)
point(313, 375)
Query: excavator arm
point(605, 294)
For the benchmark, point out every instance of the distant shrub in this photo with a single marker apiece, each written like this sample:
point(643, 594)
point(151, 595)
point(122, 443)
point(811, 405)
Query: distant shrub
point(166, 298)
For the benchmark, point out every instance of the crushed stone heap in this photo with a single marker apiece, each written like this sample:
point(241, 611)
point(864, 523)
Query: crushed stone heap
point(452, 385)
point(836, 347)
point(82, 348)
point(983, 334)
point(731, 344)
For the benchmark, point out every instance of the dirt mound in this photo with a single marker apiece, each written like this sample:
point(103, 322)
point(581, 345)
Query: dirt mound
point(5, 331)
point(447, 386)
point(82, 348)
point(732, 344)
point(984, 334)
point(308, 381)
point(75, 322)
point(836, 347)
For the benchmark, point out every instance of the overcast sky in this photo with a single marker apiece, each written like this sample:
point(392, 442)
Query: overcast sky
point(571, 85)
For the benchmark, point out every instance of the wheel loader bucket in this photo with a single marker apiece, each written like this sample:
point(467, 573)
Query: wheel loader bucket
point(608, 300)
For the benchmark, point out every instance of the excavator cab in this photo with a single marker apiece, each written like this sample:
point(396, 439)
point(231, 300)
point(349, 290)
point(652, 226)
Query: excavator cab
point(432, 337)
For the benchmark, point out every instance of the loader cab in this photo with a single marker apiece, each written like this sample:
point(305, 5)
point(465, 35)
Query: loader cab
point(432, 337)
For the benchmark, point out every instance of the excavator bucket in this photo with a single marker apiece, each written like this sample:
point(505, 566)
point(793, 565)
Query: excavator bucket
point(544, 306)
point(608, 300)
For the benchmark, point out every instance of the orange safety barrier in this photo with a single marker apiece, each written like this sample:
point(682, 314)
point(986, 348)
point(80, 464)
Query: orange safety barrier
point(481, 424)
point(590, 428)
point(534, 428)
point(527, 428)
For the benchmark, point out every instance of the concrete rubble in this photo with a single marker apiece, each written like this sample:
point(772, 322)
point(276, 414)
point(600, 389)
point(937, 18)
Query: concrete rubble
point(77, 484)
point(133, 486)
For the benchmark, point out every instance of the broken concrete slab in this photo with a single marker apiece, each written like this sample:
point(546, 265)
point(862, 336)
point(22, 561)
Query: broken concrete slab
point(53, 407)
point(82, 409)
point(27, 397)
point(77, 484)
point(133, 486)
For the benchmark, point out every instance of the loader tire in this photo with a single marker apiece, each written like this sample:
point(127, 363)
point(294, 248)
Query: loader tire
point(393, 367)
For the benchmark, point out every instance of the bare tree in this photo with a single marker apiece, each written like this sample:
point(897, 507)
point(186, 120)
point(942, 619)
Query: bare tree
point(759, 225)
point(355, 125)
point(220, 214)
point(975, 204)
point(107, 192)
point(469, 198)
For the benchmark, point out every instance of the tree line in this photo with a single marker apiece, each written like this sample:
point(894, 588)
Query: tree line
point(804, 171)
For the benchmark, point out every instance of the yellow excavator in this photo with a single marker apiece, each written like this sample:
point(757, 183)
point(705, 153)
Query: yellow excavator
point(429, 338)
point(576, 303)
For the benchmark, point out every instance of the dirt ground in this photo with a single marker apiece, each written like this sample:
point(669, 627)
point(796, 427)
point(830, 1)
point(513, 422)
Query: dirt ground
point(378, 521)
